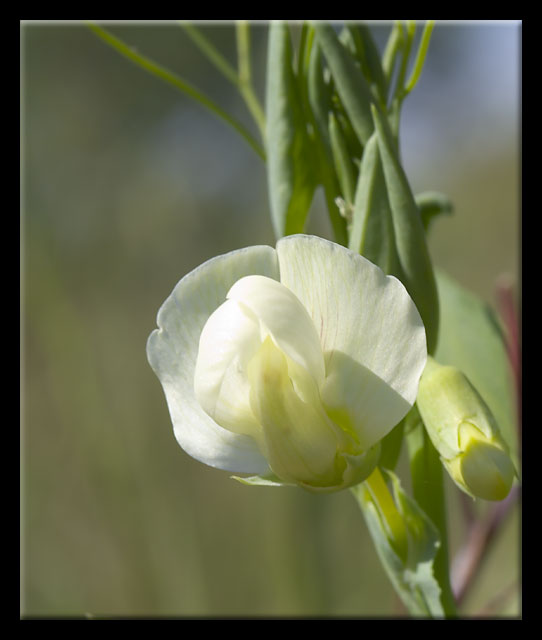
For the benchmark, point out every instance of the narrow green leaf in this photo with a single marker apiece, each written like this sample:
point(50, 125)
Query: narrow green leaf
point(350, 83)
point(343, 162)
point(471, 339)
point(319, 96)
point(372, 233)
point(412, 573)
point(319, 101)
point(416, 268)
point(369, 57)
point(291, 172)
point(432, 204)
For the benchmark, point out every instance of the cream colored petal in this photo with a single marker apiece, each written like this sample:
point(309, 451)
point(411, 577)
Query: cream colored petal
point(371, 333)
point(285, 318)
point(172, 352)
point(301, 442)
point(228, 341)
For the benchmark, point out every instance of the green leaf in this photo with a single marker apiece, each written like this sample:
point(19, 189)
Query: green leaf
point(319, 99)
point(292, 177)
point(319, 96)
point(416, 270)
point(372, 234)
point(471, 339)
point(369, 57)
point(343, 163)
point(353, 89)
point(412, 573)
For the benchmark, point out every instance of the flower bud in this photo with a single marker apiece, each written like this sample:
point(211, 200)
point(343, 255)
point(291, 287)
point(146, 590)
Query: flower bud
point(464, 432)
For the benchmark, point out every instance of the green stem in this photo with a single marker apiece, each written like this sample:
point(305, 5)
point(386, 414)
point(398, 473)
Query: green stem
point(402, 89)
point(242, 80)
point(408, 38)
point(177, 82)
point(428, 491)
point(211, 52)
point(242, 30)
point(420, 57)
point(389, 57)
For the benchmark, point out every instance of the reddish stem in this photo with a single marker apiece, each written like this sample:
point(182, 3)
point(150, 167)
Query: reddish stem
point(507, 309)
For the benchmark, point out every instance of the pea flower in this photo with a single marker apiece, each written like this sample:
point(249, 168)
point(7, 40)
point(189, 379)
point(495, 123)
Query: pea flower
point(464, 432)
point(288, 364)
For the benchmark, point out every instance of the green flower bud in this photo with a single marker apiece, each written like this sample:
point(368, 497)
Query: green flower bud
point(464, 432)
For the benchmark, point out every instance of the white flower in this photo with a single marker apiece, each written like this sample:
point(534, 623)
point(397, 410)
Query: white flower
point(291, 363)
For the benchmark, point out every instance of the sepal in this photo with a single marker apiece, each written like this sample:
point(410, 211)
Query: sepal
point(406, 542)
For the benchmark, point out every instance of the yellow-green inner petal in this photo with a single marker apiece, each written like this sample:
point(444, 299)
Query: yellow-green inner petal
point(301, 442)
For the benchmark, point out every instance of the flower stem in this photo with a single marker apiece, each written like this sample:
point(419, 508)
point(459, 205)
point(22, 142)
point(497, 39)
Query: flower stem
point(479, 541)
point(428, 491)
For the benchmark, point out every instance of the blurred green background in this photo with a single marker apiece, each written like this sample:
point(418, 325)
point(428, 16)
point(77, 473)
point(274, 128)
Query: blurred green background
point(126, 186)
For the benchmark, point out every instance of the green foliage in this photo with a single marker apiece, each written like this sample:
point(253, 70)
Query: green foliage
point(345, 168)
point(350, 83)
point(290, 169)
point(471, 339)
point(372, 232)
point(366, 52)
point(319, 98)
point(179, 83)
point(416, 270)
point(97, 449)
point(411, 573)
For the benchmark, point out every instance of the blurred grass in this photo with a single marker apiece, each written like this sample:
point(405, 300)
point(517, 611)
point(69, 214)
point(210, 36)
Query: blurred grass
point(126, 187)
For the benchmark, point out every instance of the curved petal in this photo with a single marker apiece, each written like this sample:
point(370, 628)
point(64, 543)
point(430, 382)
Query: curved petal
point(172, 351)
point(286, 319)
point(301, 442)
point(371, 333)
point(230, 337)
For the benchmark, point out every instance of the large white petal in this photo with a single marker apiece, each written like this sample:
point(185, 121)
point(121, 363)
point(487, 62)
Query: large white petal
point(172, 351)
point(285, 318)
point(371, 333)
